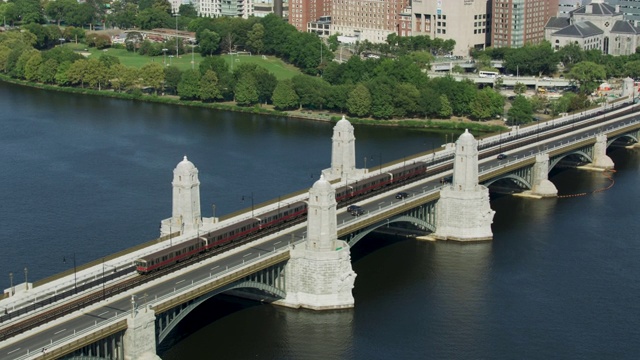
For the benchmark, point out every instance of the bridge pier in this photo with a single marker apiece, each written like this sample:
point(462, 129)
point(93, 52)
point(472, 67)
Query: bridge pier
point(463, 212)
point(541, 184)
point(319, 275)
point(140, 337)
point(601, 161)
point(343, 153)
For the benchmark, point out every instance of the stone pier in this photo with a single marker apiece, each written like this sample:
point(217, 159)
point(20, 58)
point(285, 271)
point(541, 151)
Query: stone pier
point(541, 186)
point(319, 275)
point(463, 212)
point(343, 153)
point(601, 161)
point(140, 336)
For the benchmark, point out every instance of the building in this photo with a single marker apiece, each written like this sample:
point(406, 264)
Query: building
point(630, 9)
point(263, 8)
point(595, 26)
point(367, 19)
point(519, 22)
point(302, 12)
point(566, 6)
point(216, 8)
point(466, 22)
point(322, 27)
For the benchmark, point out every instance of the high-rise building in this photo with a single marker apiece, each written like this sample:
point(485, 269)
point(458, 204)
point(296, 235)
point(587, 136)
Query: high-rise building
point(367, 19)
point(466, 22)
point(216, 8)
point(518, 22)
point(301, 12)
point(630, 9)
point(566, 6)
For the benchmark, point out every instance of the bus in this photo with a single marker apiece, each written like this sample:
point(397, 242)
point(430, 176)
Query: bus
point(490, 74)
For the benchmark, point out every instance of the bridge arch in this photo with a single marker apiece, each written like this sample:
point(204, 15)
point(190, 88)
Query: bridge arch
point(580, 153)
point(632, 136)
point(183, 311)
point(397, 219)
point(519, 180)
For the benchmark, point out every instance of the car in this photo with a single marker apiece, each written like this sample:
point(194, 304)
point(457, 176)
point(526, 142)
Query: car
point(402, 195)
point(446, 179)
point(357, 212)
point(353, 208)
point(502, 156)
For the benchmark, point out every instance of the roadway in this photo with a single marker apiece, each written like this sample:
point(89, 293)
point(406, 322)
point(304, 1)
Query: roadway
point(102, 312)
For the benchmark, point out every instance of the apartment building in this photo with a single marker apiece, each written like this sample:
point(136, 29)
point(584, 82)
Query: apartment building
point(518, 22)
point(367, 19)
point(465, 21)
point(302, 12)
point(216, 8)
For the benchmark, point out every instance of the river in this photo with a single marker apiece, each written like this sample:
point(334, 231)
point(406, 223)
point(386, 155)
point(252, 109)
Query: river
point(85, 176)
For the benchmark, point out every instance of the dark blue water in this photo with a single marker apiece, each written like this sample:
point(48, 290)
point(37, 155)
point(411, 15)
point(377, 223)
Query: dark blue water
point(92, 176)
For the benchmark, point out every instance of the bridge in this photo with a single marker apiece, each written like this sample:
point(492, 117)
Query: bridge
point(114, 316)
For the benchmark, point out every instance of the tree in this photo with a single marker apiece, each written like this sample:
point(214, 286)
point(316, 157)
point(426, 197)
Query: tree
point(32, 67)
point(208, 42)
point(77, 71)
point(172, 77)
point(96, 74)
point(519, 88)
point(188, 10)
point(359, 101)
point(209, 86)
point(152, 75)
point(284, 96)
point(487, 104)
point(189, 86)
point(265, 82)
point(255, 38)
point(246, 90)
point(445, 110)
point(588, 74)
point(47, 73)
point(521, 111)
point(30, 11)
point(632, 69)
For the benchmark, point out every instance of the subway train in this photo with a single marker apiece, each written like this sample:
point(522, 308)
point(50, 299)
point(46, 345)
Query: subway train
point(268, 220)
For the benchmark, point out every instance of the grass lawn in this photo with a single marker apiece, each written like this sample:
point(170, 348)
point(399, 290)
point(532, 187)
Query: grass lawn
point(271, 63)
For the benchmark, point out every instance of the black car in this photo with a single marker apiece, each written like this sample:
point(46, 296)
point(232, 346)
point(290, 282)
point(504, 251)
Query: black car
point(446, 179)
point(502, 156)
point(357, 212)
point(353, 208)
point(401, 195)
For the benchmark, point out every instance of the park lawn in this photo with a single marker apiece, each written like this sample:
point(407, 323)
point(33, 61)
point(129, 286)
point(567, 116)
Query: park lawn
point(271, 63)
point(279, 68)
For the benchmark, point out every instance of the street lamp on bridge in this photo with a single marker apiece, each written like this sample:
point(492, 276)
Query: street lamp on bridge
point(75, 278)
point(247, 196)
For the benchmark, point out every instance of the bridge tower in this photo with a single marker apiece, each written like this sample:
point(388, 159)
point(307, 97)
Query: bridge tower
point(343, 153)
point(628, 88)
point(463, 212)
point(185, 215)
point(600, 158)
point(140, 336)
point(541, 185)
point(319, 275)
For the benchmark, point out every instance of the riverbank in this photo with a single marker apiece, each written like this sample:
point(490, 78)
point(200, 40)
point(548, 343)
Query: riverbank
point(432, 124)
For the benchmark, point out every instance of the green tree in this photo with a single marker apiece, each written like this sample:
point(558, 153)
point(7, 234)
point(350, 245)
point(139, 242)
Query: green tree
point(208, 42)
point(255, 38)
point(32, 67)
point(284, 95)
point(445, 111)
point(209, 86)
point(189, 86)
point(246, 90)
point(589, 75)
point(359, 101)
point(48, 70)
point(152, 75)
point(487, 104)
point(521, 111)
point(632, 69)
point(77, 72)
point(30, 11)
point(519, 88)
point(172, 76)
point(96, 74)
point(62, 74)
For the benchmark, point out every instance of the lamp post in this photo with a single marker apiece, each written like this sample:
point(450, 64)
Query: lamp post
point(164, 56)
point(176, 16)
point(170, 57)
point(104, 280)
point(61, 40)
point(213, 208)
point(26, 280)
point(75, 278)
point(193, 61)
point(243, 196)
point(13, 291)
